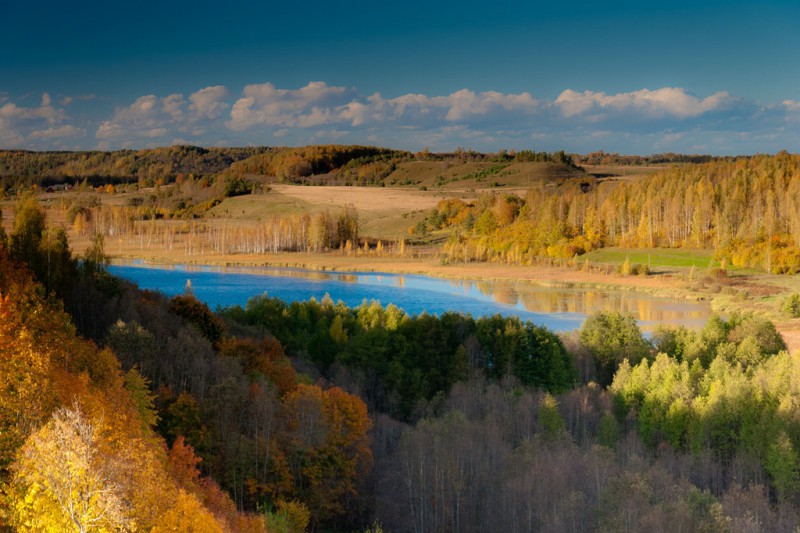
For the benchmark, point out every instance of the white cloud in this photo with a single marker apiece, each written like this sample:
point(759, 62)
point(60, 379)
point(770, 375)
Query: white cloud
point(67, 130)
point(318, 104)
point(668, 101)
point(460, 106)
point(264, 105)
point(209, 102)
point(173, 106)
point(19, 123)
point(791, 105)
point(464, 104)
point(661, 119)
point(150, 117)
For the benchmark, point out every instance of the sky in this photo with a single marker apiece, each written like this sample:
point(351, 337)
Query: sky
point(712, 77)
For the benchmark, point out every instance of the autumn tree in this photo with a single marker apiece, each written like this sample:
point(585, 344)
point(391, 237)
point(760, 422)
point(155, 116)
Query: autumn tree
point(198, 313)
point(26, 235)
point(328, 447)
point(66, 481)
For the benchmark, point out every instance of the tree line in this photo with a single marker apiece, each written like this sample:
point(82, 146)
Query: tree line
point(745, 209)
point(139, 225)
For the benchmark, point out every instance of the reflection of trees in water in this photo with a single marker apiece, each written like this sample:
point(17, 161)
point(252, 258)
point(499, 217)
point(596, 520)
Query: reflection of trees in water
point(642, 307)
point(309, 274)
point(463, 285)
point(485, 287)
point(505, 295)
point(544, 300)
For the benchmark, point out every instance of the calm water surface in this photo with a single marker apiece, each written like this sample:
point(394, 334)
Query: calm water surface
point(557, 308)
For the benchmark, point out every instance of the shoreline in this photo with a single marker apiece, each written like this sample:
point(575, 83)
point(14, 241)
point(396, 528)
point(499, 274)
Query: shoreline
point(662, 284)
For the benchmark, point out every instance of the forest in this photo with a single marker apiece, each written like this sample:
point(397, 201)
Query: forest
point(322, 164)
point(744, 209)
point(166, 415)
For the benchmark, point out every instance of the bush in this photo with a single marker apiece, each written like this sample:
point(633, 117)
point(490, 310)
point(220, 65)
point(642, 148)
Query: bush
point(237, 187)
point(718, 273)
point(635, 269)
point(791, 305)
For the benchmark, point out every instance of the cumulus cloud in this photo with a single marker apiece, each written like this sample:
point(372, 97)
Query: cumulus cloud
point(173, 106)
point(18, 123)
point(791, 105)
point(460, 106)
point(209, 102)
point(150, 116)
point(318, 104)
point(265, 105)
point(668, 101)
point(643, 120)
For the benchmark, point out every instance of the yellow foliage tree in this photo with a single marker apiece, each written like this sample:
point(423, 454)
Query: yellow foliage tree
point(66, 483)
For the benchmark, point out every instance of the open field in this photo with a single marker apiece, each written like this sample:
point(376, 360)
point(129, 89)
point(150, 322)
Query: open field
point(384, 213)
point(656, 257)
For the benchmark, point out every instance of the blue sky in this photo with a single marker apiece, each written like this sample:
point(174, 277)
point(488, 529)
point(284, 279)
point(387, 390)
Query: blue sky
point(633, 77)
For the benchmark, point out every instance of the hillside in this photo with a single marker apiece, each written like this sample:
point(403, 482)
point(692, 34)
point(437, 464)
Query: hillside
point(309, 165)
point(20, 167)
point(78, 444)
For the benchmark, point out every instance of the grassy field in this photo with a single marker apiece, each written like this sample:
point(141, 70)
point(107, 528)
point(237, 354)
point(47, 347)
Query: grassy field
point(384, 212)
point(656, 258)
point(476, 176)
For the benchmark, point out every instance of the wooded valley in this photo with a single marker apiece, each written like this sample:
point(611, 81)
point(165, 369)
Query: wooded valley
point(162, 413)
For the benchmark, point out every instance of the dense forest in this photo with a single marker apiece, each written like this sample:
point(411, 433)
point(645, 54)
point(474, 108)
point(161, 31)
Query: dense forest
point(24, 168)
point(283, 417)
point(745, 209)
point(324, 164)
point(603, 158)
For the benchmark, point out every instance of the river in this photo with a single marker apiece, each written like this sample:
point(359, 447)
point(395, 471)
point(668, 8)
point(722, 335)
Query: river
point(560, 309)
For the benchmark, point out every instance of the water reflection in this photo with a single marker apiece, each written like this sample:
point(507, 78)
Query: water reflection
point(557, 308)
point(508, 296)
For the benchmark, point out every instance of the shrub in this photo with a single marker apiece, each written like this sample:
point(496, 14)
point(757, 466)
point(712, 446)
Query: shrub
point(791, 305)
point(237, 187)
point(635, 269)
